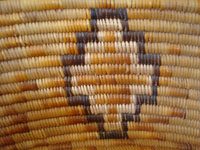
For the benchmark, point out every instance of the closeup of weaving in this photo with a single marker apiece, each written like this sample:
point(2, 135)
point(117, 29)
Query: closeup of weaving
point(100, 75)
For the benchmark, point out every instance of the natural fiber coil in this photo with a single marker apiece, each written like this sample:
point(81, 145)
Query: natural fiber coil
point(99, 74)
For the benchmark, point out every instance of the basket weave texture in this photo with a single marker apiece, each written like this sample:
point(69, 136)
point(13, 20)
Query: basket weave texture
point(100, 74)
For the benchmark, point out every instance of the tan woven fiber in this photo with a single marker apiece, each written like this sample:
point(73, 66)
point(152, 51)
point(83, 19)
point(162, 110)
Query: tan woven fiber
point(99, 74)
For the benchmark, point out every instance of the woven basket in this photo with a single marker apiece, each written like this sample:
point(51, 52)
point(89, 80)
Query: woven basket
point(99, 74)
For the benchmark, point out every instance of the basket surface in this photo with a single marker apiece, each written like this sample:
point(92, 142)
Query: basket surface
point(99, 74)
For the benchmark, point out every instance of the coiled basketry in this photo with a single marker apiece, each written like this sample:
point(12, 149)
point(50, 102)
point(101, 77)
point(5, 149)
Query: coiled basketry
point(99, 74)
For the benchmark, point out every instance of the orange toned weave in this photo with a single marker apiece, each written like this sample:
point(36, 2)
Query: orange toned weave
point(100, 75)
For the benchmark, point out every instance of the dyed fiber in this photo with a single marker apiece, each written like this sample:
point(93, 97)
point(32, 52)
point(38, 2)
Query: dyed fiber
point(100, 74)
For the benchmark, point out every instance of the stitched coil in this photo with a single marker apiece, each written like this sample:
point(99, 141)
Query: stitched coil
point(110, 47)
point(18, 6)
point(99, 25)
point(101, 36)
point(81, 128)
point(166, 71)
